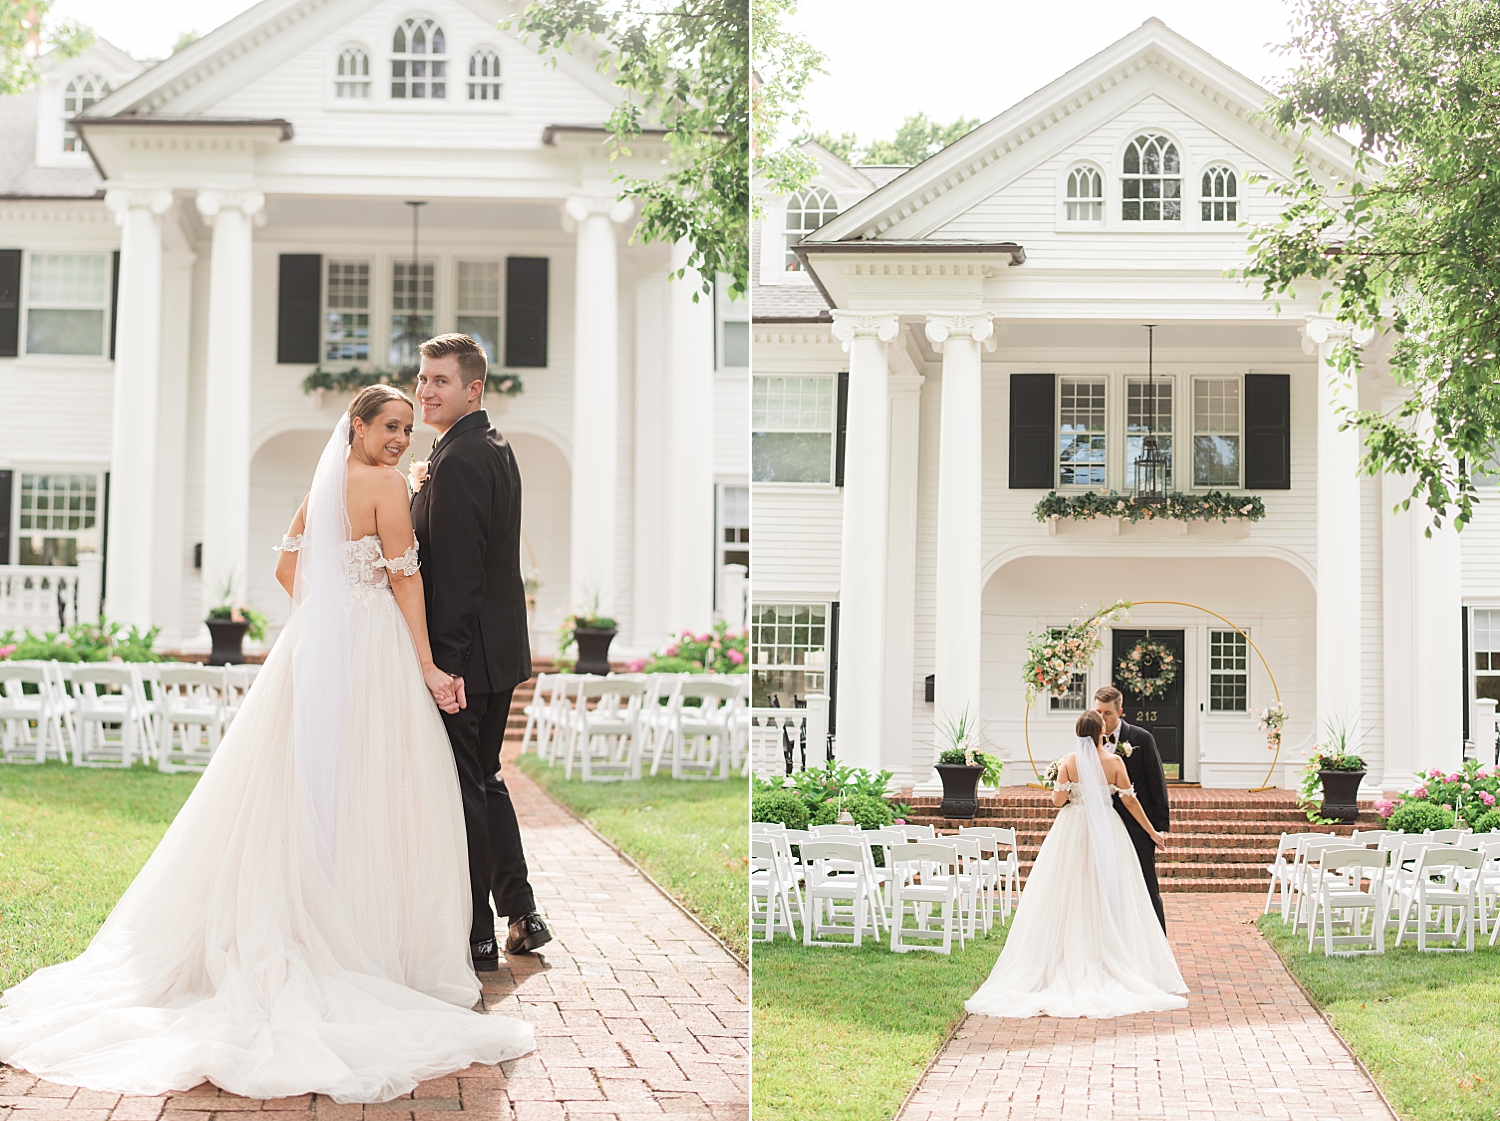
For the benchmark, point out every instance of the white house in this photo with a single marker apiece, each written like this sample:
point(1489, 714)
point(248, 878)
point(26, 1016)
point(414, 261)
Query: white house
point(181, 245)
point(937, 349)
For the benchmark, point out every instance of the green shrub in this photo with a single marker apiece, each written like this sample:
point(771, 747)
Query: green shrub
point(1415, 817)
point(868, 812)
point(781, 806)
point(1487, 822)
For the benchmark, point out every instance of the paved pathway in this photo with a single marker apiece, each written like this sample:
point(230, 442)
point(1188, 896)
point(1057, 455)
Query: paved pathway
point(638, 1014)
point(1248, 1045)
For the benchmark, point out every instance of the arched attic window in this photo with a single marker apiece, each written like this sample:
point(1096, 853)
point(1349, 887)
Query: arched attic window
point(1151, 180)
point(484, 75)
point(806, 211)
point(352, 74)
point(80, 93)
point(1221, 194)
point(1085, 195)
point(419, 69)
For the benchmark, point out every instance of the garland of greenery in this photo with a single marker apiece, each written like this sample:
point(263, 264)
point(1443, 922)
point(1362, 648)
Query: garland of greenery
point(1055, 654)
point(1214, 504)
point(354, 379)
point(1130, 671)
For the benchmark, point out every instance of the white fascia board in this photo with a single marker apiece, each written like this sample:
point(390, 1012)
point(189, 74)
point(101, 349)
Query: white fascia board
point(181, 155)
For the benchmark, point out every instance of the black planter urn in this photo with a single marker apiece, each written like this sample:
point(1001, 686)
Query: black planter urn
point(1341, 794)
point(593, 650)
point(960, 789)
point(228, 638)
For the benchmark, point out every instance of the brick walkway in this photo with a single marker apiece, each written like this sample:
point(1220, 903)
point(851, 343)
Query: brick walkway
point(638, 1014)
point(1248, 1045)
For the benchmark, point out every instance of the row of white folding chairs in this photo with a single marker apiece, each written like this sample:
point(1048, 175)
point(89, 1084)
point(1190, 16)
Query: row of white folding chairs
point(1288, 867)
point(110, 714)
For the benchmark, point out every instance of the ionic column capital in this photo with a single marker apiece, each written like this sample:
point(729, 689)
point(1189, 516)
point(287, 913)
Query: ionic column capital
point(212, 203)
point(122, 200)
point(1321, 331)
point(943, 326)
point(851, 325)
point(582, 207)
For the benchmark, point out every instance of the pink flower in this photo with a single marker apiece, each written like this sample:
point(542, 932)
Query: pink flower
point(635, 665)
point(670, 651)
point(1419, 792)
point(7, 651)
point(1454, 777)
point(705, 638)
point(1434, 773)
point(900, 821)
point(1384, 808)
point(1486, 797)
point(736, 657)
point(1447, 807)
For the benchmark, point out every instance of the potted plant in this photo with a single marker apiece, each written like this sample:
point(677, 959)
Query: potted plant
point(229, 624)
point(962, 767)
point(1337, 771)
point(593, 631)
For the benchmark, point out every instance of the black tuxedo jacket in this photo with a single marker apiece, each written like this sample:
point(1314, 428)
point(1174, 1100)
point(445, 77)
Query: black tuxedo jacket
point(467, 518)
point(1146, 775)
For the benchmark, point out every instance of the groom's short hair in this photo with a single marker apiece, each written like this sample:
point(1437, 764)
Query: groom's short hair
point(471, 360)
point(1110, 696)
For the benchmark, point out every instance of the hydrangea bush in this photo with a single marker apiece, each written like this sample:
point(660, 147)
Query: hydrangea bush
point(717, 651)
point(820, 788)
point(1471, 795)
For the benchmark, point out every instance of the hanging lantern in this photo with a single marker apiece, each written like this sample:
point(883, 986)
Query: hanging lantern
point(1151, 466)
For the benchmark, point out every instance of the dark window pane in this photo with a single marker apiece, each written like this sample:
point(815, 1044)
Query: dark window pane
point(791, 457)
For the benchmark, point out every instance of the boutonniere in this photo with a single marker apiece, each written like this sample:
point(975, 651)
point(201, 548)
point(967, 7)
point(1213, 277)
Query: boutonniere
point(1123, 748)
point(416, 474)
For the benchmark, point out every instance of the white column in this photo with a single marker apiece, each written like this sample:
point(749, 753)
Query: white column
point(653, 462)
point(691, 555)
point(171, 456)
point(596, 398)
point(226, 413)
point(132, 478)
point(902, 755)
point(1339, 645)
point(862, 572)
point(959, 514)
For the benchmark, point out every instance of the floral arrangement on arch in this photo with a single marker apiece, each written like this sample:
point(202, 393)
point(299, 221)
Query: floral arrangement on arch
point(1470, 794)
point(1131, 672)
point(1214, 505)
point(1271, 720)
point(1055, 654)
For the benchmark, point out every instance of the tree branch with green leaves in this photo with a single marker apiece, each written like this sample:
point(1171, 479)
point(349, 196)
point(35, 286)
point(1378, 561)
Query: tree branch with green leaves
point(26, 34)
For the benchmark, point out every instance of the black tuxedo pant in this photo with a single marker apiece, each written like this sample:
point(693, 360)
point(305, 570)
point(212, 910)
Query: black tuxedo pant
point(497, 863)
point(1145, 851)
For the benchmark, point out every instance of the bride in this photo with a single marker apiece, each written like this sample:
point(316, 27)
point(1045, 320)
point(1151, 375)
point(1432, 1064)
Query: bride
point(1085, 940)
point(303, 925)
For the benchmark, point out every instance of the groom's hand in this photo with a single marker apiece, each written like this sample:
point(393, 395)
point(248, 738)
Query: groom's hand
point(458, 693)
point(440, 685)
point(1161, 841)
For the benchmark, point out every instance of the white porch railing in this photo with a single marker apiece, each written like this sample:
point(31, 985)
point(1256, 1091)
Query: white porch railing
point(784, 741)
point(49, 597)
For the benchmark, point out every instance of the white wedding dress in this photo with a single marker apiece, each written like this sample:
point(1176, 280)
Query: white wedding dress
point(248, 953)
point(1071, 950)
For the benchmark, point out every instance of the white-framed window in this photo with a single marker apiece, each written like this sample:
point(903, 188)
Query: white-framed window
point(1081, 432)
point(1141, 417)
point(352, 74)
point(419, 69)
point(413, 285)
point(1085, 195)
point(67, 303)
point(1221, 194)
point(479, 304)
point(791, 428)
point(734, 525)
point(78, 95)
point(1485, 643)
point(484, 75)
point(1216, 432)
point(788, 652)
point(1151, 180)
point(346, 322)
point(1228, 672)
point(735, 351)
point(806, 211)
point(58, 517)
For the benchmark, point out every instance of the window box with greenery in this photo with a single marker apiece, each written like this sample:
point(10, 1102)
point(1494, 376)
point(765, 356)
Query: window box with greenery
point(1213, 505)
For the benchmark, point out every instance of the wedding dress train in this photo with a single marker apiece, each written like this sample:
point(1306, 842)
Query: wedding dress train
point(1070, 952)
point(250, 954)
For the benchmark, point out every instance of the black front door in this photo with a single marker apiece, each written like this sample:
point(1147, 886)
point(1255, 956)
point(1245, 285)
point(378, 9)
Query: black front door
point(1162, 716)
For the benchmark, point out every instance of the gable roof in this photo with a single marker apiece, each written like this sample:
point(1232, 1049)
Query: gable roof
point(1153, 44)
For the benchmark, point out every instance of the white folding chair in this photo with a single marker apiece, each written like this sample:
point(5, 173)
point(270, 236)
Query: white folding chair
point(561, 709)
point(926, 876)
point(107, 720)
point(237, 682)
point(770, 898)
point(147, 707)
point(1283, 869)
point(537, 711)
point(1005, 869)
point(19, 710)
point(1307, 872)
point(1341, 888)
point(836, 890)
point(1368, 837)
point(874, 877)
point(607, 737)
point(1444, 836)
point(1438, 886)
point(700, 735)
point(193, 707)
point(915, 832)
point(65, 704)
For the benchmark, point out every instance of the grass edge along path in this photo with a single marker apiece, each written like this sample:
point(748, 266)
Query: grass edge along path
point(691, 837)
point(1425, 1026)
point(843, 1034)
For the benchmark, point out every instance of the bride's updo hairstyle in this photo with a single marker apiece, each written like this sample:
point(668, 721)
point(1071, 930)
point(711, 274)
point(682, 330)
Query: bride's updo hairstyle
point(1090, 726)
point(370, 400)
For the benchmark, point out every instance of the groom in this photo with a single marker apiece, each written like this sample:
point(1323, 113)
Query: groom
point(1143, 764)
point(467, 517)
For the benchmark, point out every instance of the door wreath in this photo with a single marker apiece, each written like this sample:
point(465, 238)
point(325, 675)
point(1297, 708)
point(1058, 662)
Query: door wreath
point(1146, 653)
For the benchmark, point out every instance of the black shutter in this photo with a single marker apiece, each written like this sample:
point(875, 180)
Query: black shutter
point(6, 480)
point(104, 547)
point(1033, 434)
point(1268, 431)
point(841, 429)
point(526, 311)
point(1465, 709)
point(114, 301)
point(833, 669)
point(299, 307)
point(10, 302)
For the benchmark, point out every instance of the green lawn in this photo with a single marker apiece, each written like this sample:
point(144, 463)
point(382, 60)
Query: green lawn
point(693, 837)
point(71, 840)
point(843, 1034)
point(1426, 1025)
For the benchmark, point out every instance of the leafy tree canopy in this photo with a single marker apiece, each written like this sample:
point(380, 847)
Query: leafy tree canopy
point(1410, 241)
point(25, 33)
point(915, 140)
point(185, 39)
point(784, 63)
point(683, 67)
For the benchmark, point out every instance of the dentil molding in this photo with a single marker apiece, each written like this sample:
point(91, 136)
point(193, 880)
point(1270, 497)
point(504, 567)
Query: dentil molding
point(851, 325)
point(122, 200)
point(980, 328)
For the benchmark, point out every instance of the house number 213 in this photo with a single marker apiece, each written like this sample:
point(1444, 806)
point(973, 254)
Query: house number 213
point(1144, 715)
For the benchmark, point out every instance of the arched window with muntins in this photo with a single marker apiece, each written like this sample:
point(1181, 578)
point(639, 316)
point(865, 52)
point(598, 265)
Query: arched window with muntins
point(484, 75)
point(418, 68)
point(1221, 195)
point(1085, 195)
point(352, 74)
point(80, 93)
point(805, 212)
point(1151, 180)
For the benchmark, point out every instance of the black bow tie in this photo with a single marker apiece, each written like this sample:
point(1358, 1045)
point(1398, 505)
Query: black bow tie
point(1113, 737)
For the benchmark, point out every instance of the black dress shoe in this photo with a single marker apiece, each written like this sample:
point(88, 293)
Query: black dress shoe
point(527, 933)
point(486, 956)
